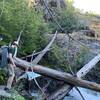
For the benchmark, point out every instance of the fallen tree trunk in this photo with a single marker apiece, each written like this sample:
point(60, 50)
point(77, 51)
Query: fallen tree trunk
point(62, 91)
point(57, 75)
point(85, 69)
point(43, 52)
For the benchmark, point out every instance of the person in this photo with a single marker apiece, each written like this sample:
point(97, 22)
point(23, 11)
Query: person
point(11, 65)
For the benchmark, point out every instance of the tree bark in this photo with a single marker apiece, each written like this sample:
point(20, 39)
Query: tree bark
point(62, 76)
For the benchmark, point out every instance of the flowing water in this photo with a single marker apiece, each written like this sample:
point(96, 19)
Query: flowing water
point(88, 95)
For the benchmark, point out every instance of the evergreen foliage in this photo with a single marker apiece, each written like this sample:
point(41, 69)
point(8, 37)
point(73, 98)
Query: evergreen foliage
point(17, 15)
point(67, 18)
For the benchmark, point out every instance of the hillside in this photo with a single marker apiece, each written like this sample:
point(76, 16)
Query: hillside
point(52, 43)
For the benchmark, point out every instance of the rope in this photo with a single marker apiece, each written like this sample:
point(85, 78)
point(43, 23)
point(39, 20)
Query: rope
point(40, 89)
point(79, 93)
point(60, 25)
point(38, 83)
point(2, 8)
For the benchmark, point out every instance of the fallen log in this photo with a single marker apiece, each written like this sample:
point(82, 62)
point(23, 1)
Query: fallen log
point(43, 52)
point(62, 76)
point(85, 69)
point(62, 91)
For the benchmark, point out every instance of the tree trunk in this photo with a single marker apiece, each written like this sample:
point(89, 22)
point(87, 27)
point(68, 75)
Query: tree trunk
point(62, 76)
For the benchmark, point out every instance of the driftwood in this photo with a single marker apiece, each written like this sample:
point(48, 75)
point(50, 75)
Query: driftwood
point(83, 71)
point(57, 75)
point(62, 91)
point(39, 57)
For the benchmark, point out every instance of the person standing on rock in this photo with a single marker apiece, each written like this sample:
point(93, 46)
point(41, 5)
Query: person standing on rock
point(11, 64)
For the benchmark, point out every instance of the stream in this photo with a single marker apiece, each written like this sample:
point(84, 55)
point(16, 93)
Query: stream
point(74, 95)
point(87, 94)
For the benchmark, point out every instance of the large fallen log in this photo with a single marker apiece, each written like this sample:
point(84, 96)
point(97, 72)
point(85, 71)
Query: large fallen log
point(43, 52)
point(74, 81)
point(62, 91)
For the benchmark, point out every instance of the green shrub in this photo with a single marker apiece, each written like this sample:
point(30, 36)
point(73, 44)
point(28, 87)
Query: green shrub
point(17, 15)
point(55, 58)
point(3, 77)
point(67, 18)
point(81, 58)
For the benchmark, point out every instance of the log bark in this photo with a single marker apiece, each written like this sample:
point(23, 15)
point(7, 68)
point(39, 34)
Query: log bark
point(39, 57)
point(62, 76)
point(62, 91)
